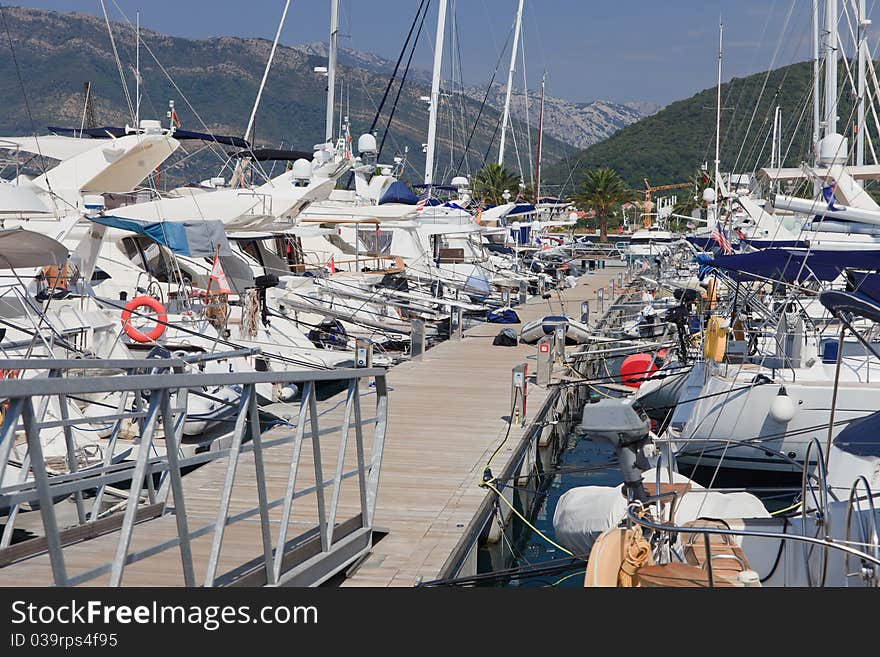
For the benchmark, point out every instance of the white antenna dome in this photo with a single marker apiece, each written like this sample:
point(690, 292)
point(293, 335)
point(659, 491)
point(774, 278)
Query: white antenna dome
point(302, 170)
point(367, 144)
point(709, 195)
point(460, 182)
point(833, 149)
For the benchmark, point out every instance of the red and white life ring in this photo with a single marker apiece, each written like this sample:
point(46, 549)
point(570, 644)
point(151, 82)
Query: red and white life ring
point(144, 302)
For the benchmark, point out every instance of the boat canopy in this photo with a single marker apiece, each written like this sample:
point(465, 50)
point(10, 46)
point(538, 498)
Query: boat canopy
point(107, 131)
point(398, 192)
point(851, 302)
point(194, 238)
point(25, 248)
point(792, 265)
point(859, 437)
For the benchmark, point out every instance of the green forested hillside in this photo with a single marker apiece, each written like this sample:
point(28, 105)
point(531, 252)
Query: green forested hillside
point(671, 145)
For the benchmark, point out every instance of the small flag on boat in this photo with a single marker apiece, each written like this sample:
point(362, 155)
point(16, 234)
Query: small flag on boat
point(478, 218)
point(720, 236)
point(828, 195)
point(174, 117)
point(423, 201)
point(332, 264)
point(218, 275)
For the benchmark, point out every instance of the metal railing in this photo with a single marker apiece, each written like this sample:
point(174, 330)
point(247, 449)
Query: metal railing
point(153, 394)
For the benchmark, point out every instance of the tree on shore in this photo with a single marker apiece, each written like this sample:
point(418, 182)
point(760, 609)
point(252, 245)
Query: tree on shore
point(605, 192)
point(490, 183)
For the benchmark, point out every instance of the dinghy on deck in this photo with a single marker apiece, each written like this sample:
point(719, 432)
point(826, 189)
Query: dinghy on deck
point(575, 332)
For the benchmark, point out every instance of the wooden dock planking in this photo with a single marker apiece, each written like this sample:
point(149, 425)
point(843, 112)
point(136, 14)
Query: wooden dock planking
point(446, 415)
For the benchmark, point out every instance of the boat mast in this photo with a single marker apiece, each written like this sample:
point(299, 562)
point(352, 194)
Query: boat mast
point(863, 23)
point(540, 142)
point(331, 66)
point(506, 117)
point(831, 67)
point(435, 93)
point(250, 126)
point(718, 122)
point(137, 70)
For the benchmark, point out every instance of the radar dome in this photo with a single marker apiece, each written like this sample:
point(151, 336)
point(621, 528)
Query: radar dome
point(367, 144)
point(302, 170)
point(709, 195)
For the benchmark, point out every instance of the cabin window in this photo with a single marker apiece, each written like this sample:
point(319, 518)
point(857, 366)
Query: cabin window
point(149, 256)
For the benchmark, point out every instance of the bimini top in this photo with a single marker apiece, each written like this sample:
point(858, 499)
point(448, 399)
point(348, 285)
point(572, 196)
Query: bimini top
point(398, 192)
point(25, 248)
point(794, 265)
point(851, 302)
point(196, 238)
point(861, 437)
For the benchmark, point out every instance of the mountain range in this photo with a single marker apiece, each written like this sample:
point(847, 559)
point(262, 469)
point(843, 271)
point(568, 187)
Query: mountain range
point(578, 124)
point(214, 83)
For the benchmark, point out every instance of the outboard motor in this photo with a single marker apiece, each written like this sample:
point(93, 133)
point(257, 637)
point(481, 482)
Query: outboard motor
point(623, 424)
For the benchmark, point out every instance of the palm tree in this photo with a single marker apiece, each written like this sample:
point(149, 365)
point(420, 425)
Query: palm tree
point(603, 191)
point(490, 183)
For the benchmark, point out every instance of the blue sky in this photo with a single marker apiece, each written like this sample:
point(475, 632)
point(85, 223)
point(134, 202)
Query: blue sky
point(623, 50)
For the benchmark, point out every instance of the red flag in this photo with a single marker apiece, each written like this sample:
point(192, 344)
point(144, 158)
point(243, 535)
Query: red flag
point(174, 118)
point(332, 264)
point(217, 274)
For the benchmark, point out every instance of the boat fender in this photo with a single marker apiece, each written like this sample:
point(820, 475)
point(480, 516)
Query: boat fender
point(144, 302)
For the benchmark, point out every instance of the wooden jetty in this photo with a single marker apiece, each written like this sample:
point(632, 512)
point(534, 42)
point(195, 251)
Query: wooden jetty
point(447, 412)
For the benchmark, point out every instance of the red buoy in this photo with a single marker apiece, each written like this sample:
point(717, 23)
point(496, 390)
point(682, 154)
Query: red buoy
point(636, 368)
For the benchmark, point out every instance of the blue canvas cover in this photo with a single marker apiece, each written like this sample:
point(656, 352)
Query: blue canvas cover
point(861, 437)
point(194, 238)
point(503, 316)
point(398, 192)
point(794, 266)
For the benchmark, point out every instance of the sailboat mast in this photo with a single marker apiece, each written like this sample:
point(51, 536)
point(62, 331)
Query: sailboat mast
point(540, 142)
point(137, 70)
point(331, 66)
point(250, 126)
point(831, 18)
point(506, 116)
point(435, 93)
point(863, 23)
point(718, 118)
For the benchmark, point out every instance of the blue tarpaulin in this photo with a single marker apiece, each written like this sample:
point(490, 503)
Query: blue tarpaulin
point(503, 316)
point(398, 192)
point(197, 238)
point(793, 266)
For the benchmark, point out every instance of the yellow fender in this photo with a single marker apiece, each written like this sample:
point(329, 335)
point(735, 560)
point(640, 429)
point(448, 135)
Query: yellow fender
point(714, 339)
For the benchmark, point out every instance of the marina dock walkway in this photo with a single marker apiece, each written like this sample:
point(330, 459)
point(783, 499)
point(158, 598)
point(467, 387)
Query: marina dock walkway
point(447, 413)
